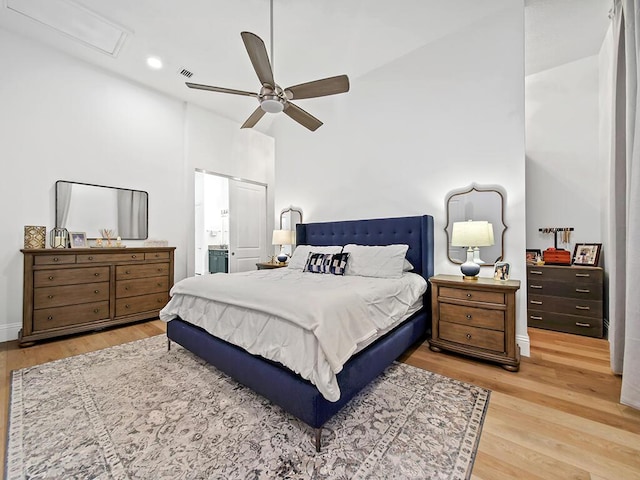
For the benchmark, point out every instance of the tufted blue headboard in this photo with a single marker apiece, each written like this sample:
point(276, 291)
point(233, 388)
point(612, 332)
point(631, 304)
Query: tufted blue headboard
point(417, 232)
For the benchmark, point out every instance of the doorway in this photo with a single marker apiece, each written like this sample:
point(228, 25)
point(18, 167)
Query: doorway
point(230, 223)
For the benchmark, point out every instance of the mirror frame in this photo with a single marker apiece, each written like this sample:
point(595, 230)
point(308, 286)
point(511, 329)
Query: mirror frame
point(449, 225)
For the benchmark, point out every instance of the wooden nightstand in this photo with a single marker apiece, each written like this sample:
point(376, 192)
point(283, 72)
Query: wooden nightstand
point(475, 318)
point(270, 265)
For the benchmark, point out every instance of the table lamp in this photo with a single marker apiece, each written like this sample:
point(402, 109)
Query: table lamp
point(282, 238)
point(471, 234)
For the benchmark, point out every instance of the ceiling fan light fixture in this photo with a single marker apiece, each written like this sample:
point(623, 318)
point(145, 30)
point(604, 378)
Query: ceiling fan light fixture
point(272, 104)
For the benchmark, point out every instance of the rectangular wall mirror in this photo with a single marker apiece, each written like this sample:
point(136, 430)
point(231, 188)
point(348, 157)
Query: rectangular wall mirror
point(83, 207)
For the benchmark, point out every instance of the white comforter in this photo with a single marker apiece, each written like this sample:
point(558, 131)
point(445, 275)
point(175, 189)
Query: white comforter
point(311, 323)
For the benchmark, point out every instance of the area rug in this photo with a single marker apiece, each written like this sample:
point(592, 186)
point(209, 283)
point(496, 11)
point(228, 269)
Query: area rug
point(140, 411)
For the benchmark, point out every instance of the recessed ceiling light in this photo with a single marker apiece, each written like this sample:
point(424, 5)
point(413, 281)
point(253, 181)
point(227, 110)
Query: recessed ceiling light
point(154, 62)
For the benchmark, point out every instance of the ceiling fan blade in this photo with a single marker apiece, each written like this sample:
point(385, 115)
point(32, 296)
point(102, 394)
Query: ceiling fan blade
point(319, 88)
point(253, 118)
point(221, 90)
point(303, 118)
point(259, 58)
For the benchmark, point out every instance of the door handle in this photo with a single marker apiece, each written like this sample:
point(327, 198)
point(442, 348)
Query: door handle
point(233, 253)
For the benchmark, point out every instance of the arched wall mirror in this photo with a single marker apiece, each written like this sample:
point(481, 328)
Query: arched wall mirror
point(477, 203)
point(289, 218)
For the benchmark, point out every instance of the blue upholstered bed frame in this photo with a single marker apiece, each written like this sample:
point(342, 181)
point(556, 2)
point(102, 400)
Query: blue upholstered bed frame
point(287, 389)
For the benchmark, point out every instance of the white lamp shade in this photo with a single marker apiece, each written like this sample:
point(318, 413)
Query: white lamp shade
point(472, 234)
point(282, 237)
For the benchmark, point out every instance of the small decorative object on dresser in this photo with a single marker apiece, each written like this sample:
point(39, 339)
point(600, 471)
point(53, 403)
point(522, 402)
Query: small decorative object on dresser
point(566, 299)
point(71, 291)
point(501, 271)
point(59, 237)
point(532, 255)
point(476, 319)
point(35, 237)
point(587, 254)
point(78, 239)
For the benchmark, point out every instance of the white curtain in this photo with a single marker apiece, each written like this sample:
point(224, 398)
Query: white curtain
point(624, 215)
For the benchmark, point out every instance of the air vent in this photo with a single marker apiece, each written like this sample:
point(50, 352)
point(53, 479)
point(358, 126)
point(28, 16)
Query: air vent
point(185, 73)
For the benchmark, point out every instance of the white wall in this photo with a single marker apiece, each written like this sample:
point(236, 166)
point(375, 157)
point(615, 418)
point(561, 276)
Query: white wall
point(440, 118)
point(565, 177)
point(63, 119)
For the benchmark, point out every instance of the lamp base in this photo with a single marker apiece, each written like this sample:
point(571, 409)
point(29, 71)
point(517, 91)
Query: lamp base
point(282, 258)
point(470, 270)
point(467, 278)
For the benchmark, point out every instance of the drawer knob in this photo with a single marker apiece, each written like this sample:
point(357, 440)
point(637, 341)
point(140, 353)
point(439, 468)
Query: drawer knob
point(468, 316)
point(468, 336)
point(580, 324)
point(55, 259)
point(535, 317)
point(90, 258)
point(96, 274)
point(535, 272)
point(159, 300)
point(535, 302)
point(50, 317)
point(583, 290)
point(49, 296)
point(50, 277)
point(96, 310)
point(468, 295)
point(536, 286)
point(580, 307)
point(127, 272)
point(133, 256)
point(158, 284)
point(126, 288)
point(159, 269)
point(127, 306)
point(586, 275)
point(96, 291)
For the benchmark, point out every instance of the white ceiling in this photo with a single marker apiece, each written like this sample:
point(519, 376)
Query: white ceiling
point(312, 39)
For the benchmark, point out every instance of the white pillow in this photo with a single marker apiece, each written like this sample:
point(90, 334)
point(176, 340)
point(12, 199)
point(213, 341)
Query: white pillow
point(376, 261)
point(407, 267)
point(299, 258)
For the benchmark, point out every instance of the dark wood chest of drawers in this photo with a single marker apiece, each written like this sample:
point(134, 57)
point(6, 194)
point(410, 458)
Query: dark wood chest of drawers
point(75, 290)
point(475, 318)
point(566, 299)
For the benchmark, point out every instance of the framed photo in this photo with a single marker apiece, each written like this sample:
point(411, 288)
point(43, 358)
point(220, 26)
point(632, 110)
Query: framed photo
point(501, 271)
point(532, 254)
point(587, 254)
point(78, 239)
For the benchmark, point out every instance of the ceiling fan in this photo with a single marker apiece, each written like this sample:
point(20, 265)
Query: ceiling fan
point(272, 97)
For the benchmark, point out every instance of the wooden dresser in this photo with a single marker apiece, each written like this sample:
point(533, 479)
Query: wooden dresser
point(566, 299)
point(75, 290)
point(475, 318)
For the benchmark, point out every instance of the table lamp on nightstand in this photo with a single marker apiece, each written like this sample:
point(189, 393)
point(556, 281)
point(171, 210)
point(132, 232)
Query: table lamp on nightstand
point(471, 234)
point(282, 238)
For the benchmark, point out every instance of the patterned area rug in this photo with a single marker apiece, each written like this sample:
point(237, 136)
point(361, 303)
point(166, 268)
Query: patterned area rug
point(138, 411)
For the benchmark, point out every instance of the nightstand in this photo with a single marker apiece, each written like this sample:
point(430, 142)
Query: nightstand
point(475, 318)
point(270, 265)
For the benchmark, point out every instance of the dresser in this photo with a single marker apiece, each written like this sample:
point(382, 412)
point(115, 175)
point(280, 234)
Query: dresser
point(566, 299)
point(76, 290)
point(475, 318)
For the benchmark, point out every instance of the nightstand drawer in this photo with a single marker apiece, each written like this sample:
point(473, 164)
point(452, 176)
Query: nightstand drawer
point(476, 337)
point(472, 295)
point(475, 317)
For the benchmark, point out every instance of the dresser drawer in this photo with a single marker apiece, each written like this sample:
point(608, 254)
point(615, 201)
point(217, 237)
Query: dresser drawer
point(141, 286)
point(124, 272)
point(49, 318)
point(476, 317)
point(62, 259)
point(46, 297)
point(157, 256)
point(472, 295)
point(573, 275)
point(110, 257)
point(70, 276)
point(562, 289)
point(589, 326)
point(569, 306)
point(142, 303)
point(473, 336)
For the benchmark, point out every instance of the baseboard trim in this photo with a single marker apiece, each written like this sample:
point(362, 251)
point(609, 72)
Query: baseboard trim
point(9, 332)
point(525, 345)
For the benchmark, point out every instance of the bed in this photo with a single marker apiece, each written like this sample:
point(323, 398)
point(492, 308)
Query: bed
point(289, 390)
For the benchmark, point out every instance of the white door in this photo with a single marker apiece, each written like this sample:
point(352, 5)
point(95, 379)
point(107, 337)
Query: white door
point(247, 225)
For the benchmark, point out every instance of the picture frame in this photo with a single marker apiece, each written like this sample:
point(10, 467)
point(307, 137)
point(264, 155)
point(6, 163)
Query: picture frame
point(532, 254)
point(587, 254)
point(78, 239)
point(501, 271)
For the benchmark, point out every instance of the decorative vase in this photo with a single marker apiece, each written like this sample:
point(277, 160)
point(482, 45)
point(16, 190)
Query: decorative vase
point(35, 237)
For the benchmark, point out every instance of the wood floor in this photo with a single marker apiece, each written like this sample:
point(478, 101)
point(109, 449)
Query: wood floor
point(558, 418)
